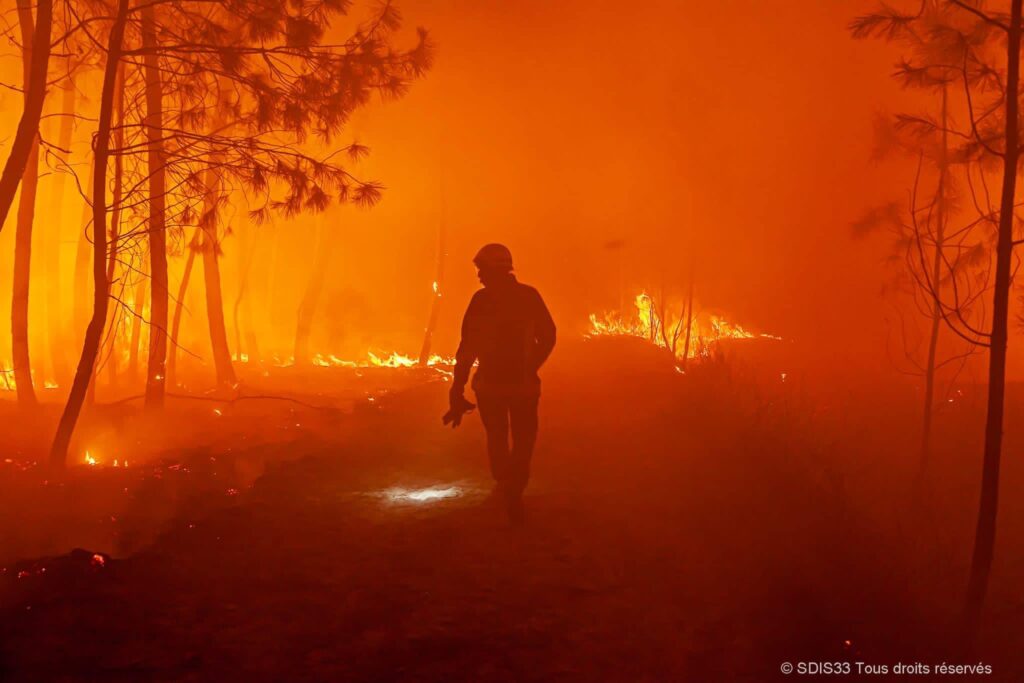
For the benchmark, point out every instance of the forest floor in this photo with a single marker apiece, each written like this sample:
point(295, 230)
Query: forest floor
point(677, 529)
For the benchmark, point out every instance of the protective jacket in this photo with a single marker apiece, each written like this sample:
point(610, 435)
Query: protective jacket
point(508, 329)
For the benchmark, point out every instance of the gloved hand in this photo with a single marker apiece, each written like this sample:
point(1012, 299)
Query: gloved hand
point(457, 407)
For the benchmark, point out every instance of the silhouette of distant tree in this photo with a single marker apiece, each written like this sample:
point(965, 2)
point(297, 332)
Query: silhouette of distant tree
point(101, 155)
point(231, 92)
point(53, 228)
point(23, 229)
point(921, 242)
point(37, 49)
point(990, 44)
point(438, 284)
point(245, 76)
point(326, 243)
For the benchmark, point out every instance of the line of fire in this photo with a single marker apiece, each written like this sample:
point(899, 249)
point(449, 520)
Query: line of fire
point(427, 340)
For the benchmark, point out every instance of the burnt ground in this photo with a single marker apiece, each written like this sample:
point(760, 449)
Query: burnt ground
point(705, 527)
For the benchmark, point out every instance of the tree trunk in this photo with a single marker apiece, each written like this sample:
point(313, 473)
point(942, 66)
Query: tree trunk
point(179, 304)
point(251, 341)
point(214, 293)
point(251, 346)
point(985, 535)
point(115, 227)
point(156, 369)
point(663, 313)
point(22, 276)
point(52, 246)
point(27, 134)
point(136, 339)
point(23, 234)
point(689, 318)
point(326, 241)
point(435, 302)
point(94, 333)
point(937, 260)
point(274, 284)
point(82, 291)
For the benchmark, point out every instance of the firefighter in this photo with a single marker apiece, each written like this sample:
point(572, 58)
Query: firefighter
point(509, 331)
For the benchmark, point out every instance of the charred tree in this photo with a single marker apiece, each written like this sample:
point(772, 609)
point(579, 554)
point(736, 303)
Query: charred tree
point(94, 333)
point(23, 230)
point(53, 232)
point(27, 134)
point(210, 247)
point(83, 284)
point(985, 534)
point(157, 229)
point(114, 240)
point(179, 304)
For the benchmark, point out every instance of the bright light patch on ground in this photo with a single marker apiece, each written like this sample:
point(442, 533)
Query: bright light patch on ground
point(402, 495)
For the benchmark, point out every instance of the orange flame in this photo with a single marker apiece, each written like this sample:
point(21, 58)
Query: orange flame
point(668, 331)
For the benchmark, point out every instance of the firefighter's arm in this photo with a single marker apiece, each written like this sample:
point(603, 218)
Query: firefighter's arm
point(465, 356)
point(545, 331)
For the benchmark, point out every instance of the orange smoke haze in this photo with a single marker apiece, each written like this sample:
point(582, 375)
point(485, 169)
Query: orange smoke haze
point(741, 130)
point(604, 145)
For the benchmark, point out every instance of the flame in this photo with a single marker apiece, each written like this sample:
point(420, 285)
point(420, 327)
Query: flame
point(372, 360)
point(89, 460)
point(668, 331)
point(395, 360)
point(8, 383)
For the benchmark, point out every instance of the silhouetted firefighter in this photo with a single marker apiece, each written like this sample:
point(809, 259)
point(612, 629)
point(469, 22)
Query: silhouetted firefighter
point(508, 329)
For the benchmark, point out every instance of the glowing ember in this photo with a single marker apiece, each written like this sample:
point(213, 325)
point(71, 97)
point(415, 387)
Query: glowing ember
point(401, 495)
point(660, 325)
point(98, 560)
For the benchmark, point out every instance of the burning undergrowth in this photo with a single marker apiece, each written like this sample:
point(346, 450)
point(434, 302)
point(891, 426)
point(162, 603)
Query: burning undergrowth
point(684, 329)
point(128, 474)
